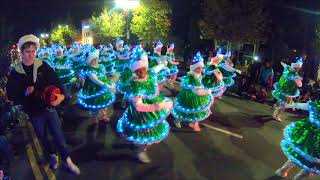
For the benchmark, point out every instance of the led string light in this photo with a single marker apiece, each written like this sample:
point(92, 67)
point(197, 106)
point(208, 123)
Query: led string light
point(113, 98)
point(207, 111)
point(289, 141)
point(187, 86)
point(180, 108)
point(144, 126)
point(296, 161)
point(149, 140)
point(286, 74)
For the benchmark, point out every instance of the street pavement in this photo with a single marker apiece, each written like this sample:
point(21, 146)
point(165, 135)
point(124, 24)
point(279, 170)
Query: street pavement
point(239, 141)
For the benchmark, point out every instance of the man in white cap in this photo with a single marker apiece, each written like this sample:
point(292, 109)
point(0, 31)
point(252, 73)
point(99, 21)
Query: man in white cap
point(26, 85)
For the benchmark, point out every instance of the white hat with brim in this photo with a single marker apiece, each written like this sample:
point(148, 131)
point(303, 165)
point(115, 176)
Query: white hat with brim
point(28, 38)
point(138, 64)
point(93, 55)
point(196, 65)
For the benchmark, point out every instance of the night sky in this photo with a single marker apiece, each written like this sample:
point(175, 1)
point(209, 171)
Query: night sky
point(36, 16)
point(29, 16)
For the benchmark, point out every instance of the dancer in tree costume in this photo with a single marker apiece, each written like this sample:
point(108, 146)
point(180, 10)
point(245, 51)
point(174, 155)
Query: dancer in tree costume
point(98, 91)
point(125, 78)
point(62, 67)
point(144, 121)
point(78, 58)
point(156, 58)
point(107, 57)
point(123, 57)
point(287, 87)
point(227, 71)
point(172, 64)
point(301, 143)
point(193, 103)
point(213, 78)
point(44, 55)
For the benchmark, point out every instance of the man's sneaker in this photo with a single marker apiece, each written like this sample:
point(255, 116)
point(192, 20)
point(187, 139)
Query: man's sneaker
point(54, 161)
point(71, 167)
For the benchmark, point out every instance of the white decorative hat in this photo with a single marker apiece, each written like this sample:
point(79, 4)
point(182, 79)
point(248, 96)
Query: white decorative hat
point(197, 62)
point(139, 59)
point(170, 47)
point(119, 42)
point(91, 55)
point(159, 45)
point(28, 38)
point(298, 63)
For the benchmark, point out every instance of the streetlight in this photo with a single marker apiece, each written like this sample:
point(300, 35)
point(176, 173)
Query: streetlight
point(67, 26)
point(127, 5)
point(59, 26)
point(44, 35)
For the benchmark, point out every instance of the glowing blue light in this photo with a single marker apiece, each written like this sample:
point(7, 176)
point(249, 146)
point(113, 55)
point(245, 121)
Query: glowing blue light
point(102, 106)
point(82, 96)
point(182, 109)
point(276, 89)
point(71, 73)
point(296, 161)
point(119, 86)
point(144, 126)
point(207, 111)
point(146, 140)
point(219, 92)
point(144, 92)
point(184, 85)
point(289, 141)
point(219, 87)
point(84, 73)
point(173, 71)
point(229, 81)
point(286, 75)
point(197, 58)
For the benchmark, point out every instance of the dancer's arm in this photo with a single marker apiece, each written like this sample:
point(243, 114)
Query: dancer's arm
point(93, 77)
point(159, 67)
point(201, 92)
point(302, 106)
point(283, 64)
point(218, 74)
point(173, 62)
point(298, 82)
point(230, 69)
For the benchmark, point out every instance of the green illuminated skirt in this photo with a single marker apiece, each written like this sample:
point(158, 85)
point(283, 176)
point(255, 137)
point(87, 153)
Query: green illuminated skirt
point(93, 96)
point(211, 82)
point(144, 127)
point(120, 65)
point(108, 65)
point(66, 76)
point(302, 144)
point(282, 92)
point(191, 107)
point(77, 66)
point(123, 84)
